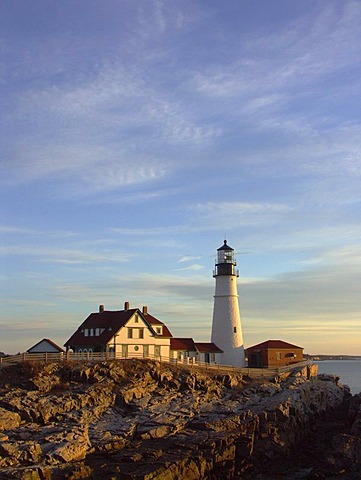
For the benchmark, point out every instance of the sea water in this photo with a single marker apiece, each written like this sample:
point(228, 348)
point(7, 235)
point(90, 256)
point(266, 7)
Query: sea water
point(349, 372)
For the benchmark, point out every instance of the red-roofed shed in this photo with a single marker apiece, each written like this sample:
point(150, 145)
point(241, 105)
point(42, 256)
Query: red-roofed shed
point(208, 352)
point(274, 353)
point(182, 349)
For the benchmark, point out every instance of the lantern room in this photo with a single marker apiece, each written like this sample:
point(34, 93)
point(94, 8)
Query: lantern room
point(225, 261)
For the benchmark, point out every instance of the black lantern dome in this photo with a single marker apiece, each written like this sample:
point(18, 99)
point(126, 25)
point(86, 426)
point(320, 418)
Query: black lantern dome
point(225, 261)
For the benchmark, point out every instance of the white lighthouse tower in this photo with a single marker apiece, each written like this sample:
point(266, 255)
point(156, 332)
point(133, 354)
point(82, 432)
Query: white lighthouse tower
point(226, 325)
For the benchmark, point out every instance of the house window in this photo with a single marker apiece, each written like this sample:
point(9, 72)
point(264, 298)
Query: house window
point(157, 351)
point(235, 329)
point(130, 333)
point(136, 320)
point(141, 333)
point(86, 332)
point(278, 356)
point(158, 330)
point(145, 350)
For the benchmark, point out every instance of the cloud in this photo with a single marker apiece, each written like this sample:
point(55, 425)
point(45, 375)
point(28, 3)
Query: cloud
point(238, 213)
point(65, 256)
point(24, 231)
point(188, 258)
point(308, 49)
point(194, 267)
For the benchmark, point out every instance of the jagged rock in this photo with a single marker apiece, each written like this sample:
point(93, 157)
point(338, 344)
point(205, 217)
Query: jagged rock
point(73, 447)
point(348, 446)
point(137, 419)
point(8, 419)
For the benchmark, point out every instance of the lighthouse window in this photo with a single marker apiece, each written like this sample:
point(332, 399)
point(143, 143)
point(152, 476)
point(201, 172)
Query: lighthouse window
point(235, 329)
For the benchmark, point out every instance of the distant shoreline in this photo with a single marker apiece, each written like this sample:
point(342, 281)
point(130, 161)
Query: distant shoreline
point(331, 357)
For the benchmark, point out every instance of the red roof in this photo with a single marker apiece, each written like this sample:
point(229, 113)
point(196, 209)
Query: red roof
point(183, 344)
point(271, 344)
point(111, 322)
point(204, 347)
point(154, 321)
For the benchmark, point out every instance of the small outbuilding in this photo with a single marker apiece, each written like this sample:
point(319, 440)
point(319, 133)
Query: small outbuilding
point(208, 352)
point(273, 353)
point(45, 346)
point(182, 350)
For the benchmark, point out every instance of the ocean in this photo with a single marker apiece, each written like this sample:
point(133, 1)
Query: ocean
point(349, 372)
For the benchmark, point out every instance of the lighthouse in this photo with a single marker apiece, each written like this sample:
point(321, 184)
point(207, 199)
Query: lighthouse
point(226, 324)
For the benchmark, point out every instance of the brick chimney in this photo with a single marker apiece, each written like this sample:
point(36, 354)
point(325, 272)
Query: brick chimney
point(101, 308)
point(126, 305)
point(145, 309)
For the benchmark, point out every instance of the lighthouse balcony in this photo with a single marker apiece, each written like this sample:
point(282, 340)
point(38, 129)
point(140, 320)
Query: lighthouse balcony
point(225, 270)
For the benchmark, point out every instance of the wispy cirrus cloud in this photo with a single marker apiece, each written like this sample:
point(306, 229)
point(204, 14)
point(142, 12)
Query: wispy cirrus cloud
point(239, 213)
point(65, 256)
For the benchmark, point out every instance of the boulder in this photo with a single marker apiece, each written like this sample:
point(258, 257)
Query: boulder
point(8, 419)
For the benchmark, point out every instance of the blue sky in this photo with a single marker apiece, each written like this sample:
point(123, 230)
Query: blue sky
point(137, 135)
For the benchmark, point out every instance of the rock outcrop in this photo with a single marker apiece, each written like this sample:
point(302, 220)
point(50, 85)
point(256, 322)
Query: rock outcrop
point(135, 419)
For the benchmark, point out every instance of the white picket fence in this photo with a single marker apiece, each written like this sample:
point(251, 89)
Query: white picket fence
point(108, 356)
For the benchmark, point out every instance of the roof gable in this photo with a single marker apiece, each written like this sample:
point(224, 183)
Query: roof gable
point(153, 322)
point(45, 346)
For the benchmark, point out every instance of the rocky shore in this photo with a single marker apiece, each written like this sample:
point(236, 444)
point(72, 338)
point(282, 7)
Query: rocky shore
point(143, 420)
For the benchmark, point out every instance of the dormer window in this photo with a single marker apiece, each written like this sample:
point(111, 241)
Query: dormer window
point(158, 330)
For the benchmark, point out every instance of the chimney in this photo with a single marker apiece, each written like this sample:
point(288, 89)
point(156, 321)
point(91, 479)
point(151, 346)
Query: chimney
point(101, 308)
point(145, 309)
point(126, 305)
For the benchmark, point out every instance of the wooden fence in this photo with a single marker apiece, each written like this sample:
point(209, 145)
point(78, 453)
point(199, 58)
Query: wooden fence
point(107, 356)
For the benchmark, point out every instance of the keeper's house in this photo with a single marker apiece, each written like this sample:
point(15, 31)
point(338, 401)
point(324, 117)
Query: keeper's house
point(125, 333)
point(273, 353)
point(135, 333)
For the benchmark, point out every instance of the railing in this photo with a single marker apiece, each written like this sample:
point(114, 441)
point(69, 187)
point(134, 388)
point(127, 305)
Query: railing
point(107, 356)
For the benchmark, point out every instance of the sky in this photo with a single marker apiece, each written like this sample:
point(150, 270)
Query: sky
point(137, 135)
